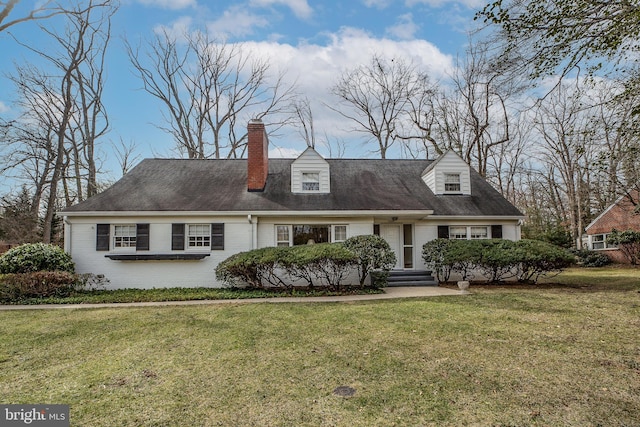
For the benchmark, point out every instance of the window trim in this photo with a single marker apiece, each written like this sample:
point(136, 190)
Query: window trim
point(448, 230)
point(457, 189)
point(605, 244)
point(334, 233)
point(486, 232)
point(131, 247)
point(283, 242)
point(290, 233)
point(303, 181)
point(204, 237)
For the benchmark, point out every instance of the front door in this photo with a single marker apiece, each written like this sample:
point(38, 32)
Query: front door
point(392, 234)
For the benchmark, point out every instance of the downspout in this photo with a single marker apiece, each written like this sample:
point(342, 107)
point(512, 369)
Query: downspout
point(254, 231)
point(254, 242)
point(67, 234)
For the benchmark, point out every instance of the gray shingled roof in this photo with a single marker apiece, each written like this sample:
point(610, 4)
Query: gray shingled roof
point(221, 185)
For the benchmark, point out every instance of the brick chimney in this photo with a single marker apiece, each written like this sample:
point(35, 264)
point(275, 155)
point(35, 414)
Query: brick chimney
point(258, 156)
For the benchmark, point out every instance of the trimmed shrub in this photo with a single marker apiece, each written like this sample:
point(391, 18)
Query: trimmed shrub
point(373, 254)
point(540, 258)
point(587, 258)
point(326, 263)
point(17, 286)
point(628, 242)
point(250, 268)
point(464, 257)
point(32, 257)
point(434, 255)
point(496, 260)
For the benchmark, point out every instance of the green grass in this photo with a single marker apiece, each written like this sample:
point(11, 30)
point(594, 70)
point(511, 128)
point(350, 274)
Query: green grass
point(563, 354)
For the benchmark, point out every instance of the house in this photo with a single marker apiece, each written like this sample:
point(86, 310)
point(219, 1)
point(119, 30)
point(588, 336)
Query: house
point(169, 222)
point(621, 215)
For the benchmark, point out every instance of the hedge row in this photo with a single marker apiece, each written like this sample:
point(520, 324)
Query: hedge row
point(325, 264)
point(494, 260)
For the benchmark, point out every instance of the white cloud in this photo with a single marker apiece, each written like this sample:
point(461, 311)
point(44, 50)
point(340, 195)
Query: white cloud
point(300, 8)
point(404, 29)
point(178, 29)
point(169, 4)
point(380, 4)
point(316, 67)
point(472, 4)
point(284, 153)
point(236, 22)
point(3, 107)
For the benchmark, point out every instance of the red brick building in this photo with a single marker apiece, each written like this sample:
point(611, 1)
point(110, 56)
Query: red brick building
point(621, 216)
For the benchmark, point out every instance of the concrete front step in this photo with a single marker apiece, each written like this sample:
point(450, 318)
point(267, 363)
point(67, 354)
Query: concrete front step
point(411, 278)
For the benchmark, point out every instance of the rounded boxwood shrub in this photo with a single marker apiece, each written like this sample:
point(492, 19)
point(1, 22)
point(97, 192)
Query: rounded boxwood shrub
point(373, 254)
point(33, 257)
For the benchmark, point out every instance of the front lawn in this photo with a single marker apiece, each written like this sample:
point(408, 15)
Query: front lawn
point(551, 355)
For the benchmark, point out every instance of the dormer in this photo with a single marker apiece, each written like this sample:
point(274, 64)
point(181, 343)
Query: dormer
point(310, 174)
point(448, 175)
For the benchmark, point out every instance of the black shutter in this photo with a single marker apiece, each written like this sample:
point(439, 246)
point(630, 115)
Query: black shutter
point(102, 237)
point(142, 237)
point(217, 237)
point(496, 232)
point(177, 237)
point(376, 229)
point(443, 232)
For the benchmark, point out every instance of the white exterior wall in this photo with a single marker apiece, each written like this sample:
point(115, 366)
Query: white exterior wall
point(240, 235)
point(80, 242)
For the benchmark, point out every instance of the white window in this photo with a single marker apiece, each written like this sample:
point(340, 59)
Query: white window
point(310, 181)
point(199, 235)
point(458, 232)
point(339, 233)
point(479, 233)
point(599, 241)
point(282, 235)
point(124, 236)
point(452, 182)
point(307, 234)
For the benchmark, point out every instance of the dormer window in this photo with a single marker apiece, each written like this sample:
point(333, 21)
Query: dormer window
point(452, 183)
point(310, 181)
point(310, 173)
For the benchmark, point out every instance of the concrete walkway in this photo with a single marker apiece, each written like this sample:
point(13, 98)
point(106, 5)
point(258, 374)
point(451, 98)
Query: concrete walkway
point(389, 293)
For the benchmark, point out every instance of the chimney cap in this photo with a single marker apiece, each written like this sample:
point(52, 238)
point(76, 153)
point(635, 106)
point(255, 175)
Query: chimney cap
point(255, 121)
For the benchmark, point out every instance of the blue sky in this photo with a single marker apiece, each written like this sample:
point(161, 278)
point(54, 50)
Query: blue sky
point(314, 41)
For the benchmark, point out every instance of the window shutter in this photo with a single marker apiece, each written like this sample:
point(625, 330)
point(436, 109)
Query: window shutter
point(142, 237)
point(443, 232)
point(102, 237)
point(177, 237)
point(376, 229)
point(217, 237)
point(496, 232)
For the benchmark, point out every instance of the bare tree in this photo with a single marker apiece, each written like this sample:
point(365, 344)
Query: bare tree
point(126, 155)
point(63, 112)
point(379, 98)
point(304, 116)
point(209, 90)
point(567, 150)
point(477, 109)
point(44, 10)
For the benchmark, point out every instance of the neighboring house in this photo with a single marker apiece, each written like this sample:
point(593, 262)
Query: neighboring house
point(170, 222)
point(621, 216)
